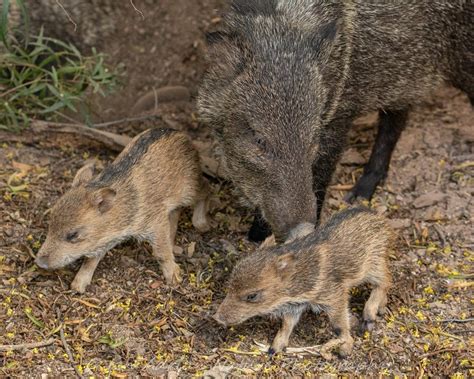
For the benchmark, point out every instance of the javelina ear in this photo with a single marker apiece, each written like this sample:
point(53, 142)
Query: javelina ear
point(215, 37)
point(104, 198)
point(284, 264)
point(84, 175)
point(323, 40)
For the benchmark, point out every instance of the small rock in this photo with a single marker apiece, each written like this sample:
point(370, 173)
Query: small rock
point(428, 199)
point(191, 249)
point(399, 223)
point(381, 209)
point(352, 157)
point(177, 250)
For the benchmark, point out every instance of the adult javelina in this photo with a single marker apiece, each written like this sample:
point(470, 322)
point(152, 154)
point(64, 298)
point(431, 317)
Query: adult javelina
point(287, 77)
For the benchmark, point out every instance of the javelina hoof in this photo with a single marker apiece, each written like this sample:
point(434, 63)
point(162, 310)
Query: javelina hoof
point(364, 188)
point(259, 230)
point(79, 285)
point(366, 326)
point(173, 275)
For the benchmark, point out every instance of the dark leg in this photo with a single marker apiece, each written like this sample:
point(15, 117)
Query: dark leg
point(260, 229)
point(332, 143)
point(391, 125)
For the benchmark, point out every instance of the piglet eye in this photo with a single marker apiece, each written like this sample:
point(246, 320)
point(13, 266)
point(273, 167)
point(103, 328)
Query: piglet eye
point(72, 236)
point(252, 297)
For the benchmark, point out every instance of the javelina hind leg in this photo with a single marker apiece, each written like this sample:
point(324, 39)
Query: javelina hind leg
point(200, 221)
point(84, 276)
point(174, 219)
point(377, 301)
point(280, 341)
point(163, 250)
point(391, 125)
point(260, 229)
point(339, 318)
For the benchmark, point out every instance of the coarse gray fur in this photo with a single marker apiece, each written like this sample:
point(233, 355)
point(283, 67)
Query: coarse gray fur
point(287, 77)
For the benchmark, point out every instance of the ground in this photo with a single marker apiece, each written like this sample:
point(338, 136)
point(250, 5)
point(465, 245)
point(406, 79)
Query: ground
point(130, 323)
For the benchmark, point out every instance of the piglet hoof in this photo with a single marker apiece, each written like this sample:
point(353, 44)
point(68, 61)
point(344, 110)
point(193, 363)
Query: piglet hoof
point(202, 226)
point(345, 350)
point(79, 285)
point(173, 275)
point(366, 326)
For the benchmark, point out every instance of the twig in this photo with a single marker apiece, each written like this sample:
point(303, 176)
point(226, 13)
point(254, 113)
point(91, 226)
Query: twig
point(67, 14)
point(30, 345)
point(128, 119)
point(66, 346)
point(457, 320)
point(439, 352)
point(137, 10)
point(111, 140)
point(440, 234)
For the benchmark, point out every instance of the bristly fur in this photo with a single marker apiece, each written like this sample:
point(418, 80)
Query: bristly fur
point(139, 195)
point(316, 271)
point(287, 77)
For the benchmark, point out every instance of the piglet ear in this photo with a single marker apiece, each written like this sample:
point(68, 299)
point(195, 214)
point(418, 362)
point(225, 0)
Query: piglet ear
point(268, 242)
point(84, 175)
point(284, 264)
point(104, 199)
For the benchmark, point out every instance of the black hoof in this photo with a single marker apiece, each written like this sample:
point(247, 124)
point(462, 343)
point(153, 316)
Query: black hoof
point(259, 230)
point(271, 351)
point(366, 326)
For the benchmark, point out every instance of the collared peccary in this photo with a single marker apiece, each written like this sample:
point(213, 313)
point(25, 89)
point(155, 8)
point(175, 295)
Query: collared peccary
point(287, 77)
point(315, 271)
point(139, 195)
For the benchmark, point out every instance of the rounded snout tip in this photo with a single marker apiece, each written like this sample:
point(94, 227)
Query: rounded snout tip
point(217, 317)
point(42, 262)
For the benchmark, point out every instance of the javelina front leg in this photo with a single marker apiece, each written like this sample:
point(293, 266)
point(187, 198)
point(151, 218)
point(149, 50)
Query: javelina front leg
point(331, 144)
point(339, 318)
point(260, 229)
point(280, 341)
point(377, 301)
point(200, 220)
point(84, 276)
point(390, 127)
point(163, 248)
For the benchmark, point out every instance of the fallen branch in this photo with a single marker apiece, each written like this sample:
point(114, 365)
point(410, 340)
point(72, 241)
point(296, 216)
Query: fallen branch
point(66, 346)
point(111, 140)
point(30, 345)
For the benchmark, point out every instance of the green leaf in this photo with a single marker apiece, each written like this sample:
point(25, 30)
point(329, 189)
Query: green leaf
point(34, 320)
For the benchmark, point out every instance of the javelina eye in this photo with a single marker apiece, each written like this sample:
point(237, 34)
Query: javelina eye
point(253, 297)
point(72, 236)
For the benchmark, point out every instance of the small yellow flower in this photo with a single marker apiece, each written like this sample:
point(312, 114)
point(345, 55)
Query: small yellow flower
point(428, 290)
point(420, 316)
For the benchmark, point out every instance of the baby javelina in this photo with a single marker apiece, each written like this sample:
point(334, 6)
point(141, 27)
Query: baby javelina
point(139, 195)
point(315, 270)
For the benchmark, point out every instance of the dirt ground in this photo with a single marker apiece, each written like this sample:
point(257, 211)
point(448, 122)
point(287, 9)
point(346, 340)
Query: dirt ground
point(129, 323)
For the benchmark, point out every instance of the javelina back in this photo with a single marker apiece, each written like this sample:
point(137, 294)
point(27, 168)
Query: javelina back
point(287, 77)
point(139, 195)
point(316, 272)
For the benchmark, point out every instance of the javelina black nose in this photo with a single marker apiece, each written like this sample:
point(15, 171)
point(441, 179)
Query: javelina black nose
point(42, 261)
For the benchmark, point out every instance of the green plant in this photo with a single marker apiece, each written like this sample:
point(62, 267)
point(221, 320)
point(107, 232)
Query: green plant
point(41, 76)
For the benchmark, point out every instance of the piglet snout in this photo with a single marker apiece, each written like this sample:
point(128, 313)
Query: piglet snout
point(219, 319)
point(42, 261)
